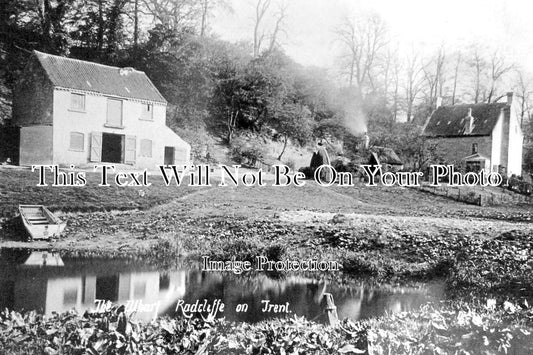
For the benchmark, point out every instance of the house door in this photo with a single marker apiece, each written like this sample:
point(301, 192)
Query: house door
point(169, 156)
point(112, 148)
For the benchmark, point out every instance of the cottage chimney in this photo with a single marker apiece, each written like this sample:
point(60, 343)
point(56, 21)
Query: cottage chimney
point(510, 97)
point(125, 71)
point(438, 102)
point(469, 124)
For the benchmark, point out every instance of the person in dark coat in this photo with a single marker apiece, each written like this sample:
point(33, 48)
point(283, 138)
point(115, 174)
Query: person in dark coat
point(319, 158)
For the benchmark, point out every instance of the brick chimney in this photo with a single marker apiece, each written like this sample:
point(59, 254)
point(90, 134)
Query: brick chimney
point(510, 97)
point(438, 102)
point(469, 123)
point(366, 140)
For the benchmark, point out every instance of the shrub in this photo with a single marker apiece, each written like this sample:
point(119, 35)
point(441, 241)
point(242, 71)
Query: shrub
point(166, 247)
point(246, 152)
point(291, 164)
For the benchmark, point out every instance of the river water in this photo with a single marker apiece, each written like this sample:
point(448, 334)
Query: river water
point(46, 282)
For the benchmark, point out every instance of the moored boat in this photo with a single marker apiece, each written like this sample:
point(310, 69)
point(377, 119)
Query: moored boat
point(40, 222)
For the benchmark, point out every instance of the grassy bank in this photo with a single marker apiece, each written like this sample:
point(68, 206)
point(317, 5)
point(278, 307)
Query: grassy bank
point(19, 186)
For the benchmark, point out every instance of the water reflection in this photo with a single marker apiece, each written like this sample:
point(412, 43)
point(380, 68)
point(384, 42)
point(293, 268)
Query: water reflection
point(49, 283)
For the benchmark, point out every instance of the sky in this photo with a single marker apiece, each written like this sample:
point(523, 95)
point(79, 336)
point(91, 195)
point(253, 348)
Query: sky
point(506, 25)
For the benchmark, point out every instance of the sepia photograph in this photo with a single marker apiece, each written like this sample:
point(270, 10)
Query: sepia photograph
point(266, 177)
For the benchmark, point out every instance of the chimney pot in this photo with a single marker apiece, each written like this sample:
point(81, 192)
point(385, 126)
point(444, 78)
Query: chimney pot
point(510, 97)
point(469, 124)
point(438, 103)
point(366, 140)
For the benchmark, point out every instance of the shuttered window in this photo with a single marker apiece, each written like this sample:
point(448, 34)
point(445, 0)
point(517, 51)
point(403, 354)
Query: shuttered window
point(147, 112)
point(114, 112)
point(77, 102)
point(146, 148)
point(76, 141)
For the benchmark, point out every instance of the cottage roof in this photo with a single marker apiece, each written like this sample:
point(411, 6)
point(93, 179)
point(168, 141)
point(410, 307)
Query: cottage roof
point(449, 121)
point(77, 74)
point(383, 155)
point(475, 157)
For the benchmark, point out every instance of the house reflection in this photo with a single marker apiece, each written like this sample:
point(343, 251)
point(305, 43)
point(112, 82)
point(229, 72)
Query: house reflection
point(48, 283)
point(77, 284)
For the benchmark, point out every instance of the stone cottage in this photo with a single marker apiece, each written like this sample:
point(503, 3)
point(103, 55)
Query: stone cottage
point(477, 136)
point(75, 112)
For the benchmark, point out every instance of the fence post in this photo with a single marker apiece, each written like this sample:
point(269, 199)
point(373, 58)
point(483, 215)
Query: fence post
point(331, 310)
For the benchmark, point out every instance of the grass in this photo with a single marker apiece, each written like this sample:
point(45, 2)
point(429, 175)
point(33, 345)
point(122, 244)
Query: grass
point(20, 187)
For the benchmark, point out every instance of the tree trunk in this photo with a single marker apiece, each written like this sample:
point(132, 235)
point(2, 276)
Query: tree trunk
point(204, 18)
point(101, 29)
point(284, 147)
point(231, 125)
point(136, 25)
point(455, 78)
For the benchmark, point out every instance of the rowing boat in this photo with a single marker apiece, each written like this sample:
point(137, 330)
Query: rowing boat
point(40, 222)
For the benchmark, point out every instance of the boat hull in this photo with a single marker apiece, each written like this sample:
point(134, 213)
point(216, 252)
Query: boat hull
point(40, 223)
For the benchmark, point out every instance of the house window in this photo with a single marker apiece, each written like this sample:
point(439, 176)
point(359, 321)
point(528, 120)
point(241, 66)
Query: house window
point(146, 148)
point(77, 102)
point(76, 141)
point(147, 112)
point(114, 113)
point(474, 148)
point(473, 166)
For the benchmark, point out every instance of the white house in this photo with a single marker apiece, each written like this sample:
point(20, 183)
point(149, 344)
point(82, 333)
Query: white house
point(75, 112)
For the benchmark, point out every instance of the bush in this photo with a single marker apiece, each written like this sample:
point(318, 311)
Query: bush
point(291, 164)
point(167, 247)
point(246, 152)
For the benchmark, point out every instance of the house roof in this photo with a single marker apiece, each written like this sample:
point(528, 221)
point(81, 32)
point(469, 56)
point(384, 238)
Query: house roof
point(475, 157)
point(449, 121)
point(77, 74)
point(384, 155)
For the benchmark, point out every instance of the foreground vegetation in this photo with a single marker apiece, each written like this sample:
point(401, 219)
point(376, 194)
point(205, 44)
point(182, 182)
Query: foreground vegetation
point(489, 328)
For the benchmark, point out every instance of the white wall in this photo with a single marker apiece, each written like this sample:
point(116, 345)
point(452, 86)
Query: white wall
point(516, 141)
point(496, 138)
point(94, 119)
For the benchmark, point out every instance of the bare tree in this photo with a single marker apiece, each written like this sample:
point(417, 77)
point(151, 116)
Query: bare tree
point(363, 40)
point(261, 9)
point(434, 74)
point(278, 26)
point(458, 61)
point(207, 6)
point(479, 65)
point(414, 80)
point(390, 75)
point(498, 68)
point(523, 90)
point(174, 14)
point(396, 70)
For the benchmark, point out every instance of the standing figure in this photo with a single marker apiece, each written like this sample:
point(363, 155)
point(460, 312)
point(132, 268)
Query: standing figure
point(321, 157)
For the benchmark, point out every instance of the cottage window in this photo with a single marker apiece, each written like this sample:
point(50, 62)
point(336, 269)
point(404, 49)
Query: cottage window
point(114, 113)
point(473, 166)
point(77, 102)
point(474, 148)
point(146, 148)
point(147, 112)
point(76, 141)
